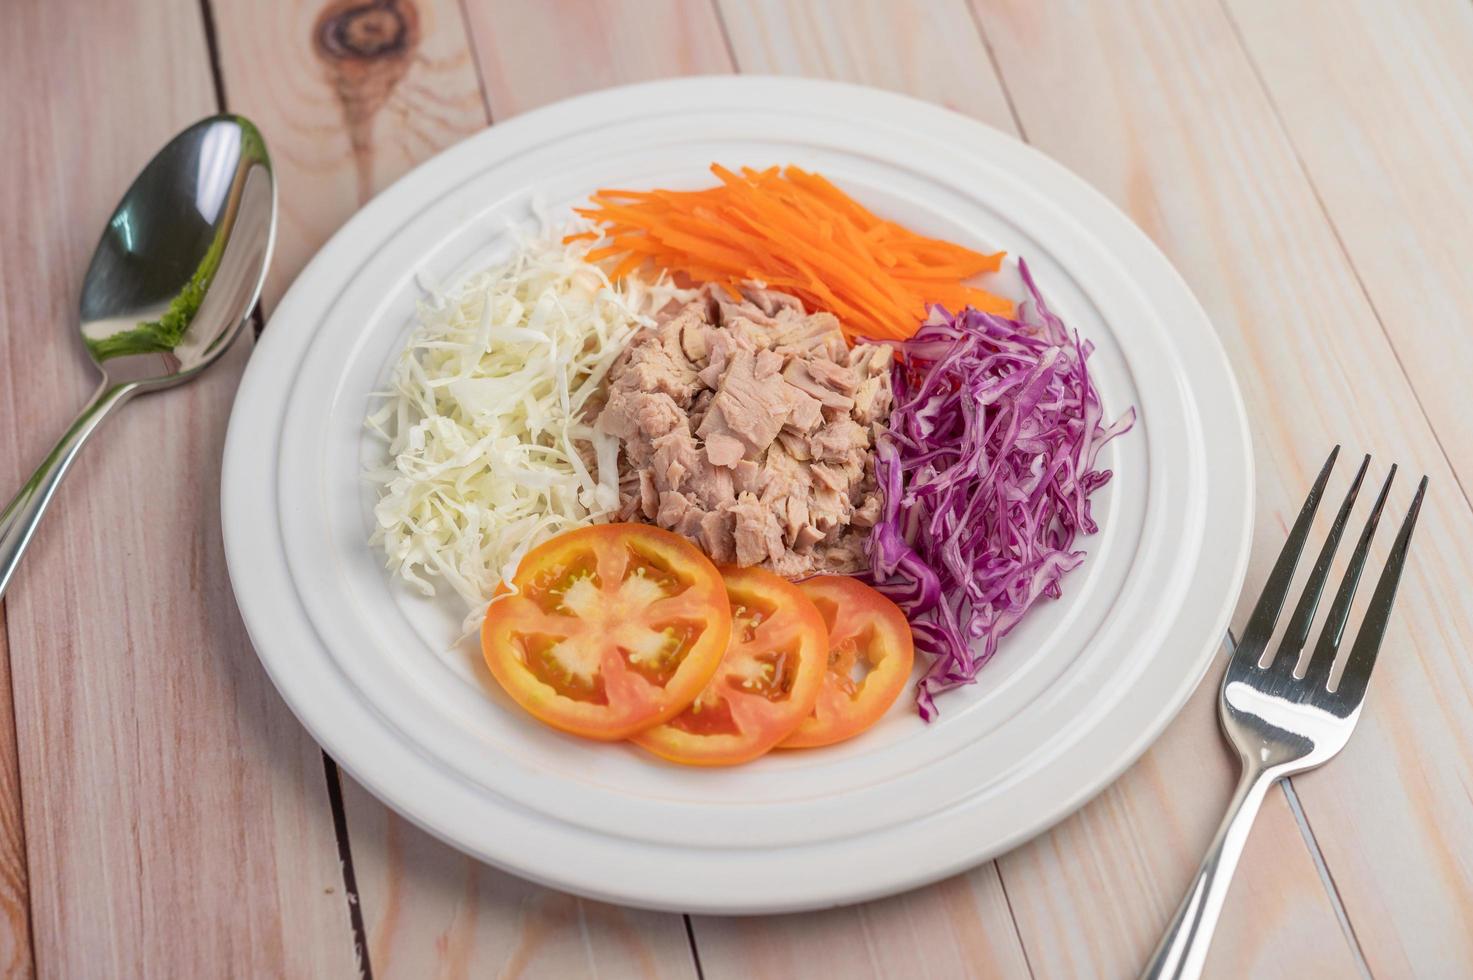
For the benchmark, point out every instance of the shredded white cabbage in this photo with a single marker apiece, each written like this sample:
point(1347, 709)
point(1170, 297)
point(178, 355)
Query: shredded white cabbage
point(491, 446)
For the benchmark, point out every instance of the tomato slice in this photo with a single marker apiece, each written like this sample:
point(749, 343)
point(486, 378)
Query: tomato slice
point(870, 656)
point(767, 681)
point(610, 629)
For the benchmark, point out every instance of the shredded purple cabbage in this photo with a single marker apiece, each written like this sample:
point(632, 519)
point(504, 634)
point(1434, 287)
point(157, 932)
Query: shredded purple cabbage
point(986, 471)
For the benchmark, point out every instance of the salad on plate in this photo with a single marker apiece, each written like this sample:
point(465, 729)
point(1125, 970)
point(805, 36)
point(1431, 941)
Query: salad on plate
point(725, 471)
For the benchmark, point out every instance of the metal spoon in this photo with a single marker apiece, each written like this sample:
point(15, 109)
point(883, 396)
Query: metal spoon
point(179, 266)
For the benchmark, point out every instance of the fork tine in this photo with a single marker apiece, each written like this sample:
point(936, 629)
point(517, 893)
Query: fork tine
point(1362, 657)
point(1286, 658)
point(1322, 661)
point(1266, 611)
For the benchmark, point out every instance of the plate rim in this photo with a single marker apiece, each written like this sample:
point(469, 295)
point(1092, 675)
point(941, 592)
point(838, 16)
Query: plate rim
point(257, 618)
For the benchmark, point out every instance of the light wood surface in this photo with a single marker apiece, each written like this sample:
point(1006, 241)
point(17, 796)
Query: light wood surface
point(15, 905)
point(432, 911)
point(352, 98)
point(175, 815)
point(1305, 167)
point(1378, 106)
point(927, 48)
point(533, 53)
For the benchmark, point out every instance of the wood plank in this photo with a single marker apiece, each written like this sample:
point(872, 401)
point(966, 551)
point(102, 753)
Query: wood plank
point(958, 928)
point(1160, 108)
point(441, 913)
point(923, 48)
point(354, 95)
point(340, 129)
point(176, 820)
point(1063, 876)
point(532, 52)
point(1379, 107)
point(15, 893)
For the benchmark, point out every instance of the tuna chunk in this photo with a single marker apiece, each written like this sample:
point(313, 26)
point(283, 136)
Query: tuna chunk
point(805, 413)
point(819, 336)
point(806, 538)
point(746, 476)
point(748, 405)
point(723, 449)
point(644, 414)
point(716, 535)
point(832, 477)
point(873, 396)
point(837, 441)
point(872, 400)
point(756, 533)
point(797, 524)
point(674, 458)
point(867, 514)
point(748, 426)
point(673, 507)
point(799, 374)
point(835, 377)
point(692, 326)
point(775, 304)
point(794, 444)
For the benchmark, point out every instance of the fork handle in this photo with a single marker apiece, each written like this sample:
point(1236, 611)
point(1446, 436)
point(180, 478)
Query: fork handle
point(1183, 950)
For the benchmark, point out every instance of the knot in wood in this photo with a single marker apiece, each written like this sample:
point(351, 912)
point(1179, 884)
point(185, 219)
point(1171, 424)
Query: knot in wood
point(365, 31)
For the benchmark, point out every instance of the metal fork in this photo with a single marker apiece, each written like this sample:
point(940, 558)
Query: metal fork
point(1281, 723)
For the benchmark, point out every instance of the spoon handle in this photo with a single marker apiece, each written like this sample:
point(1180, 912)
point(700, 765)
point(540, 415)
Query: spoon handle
point(18, 521)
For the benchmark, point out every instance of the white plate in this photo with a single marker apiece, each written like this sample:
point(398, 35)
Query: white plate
point(1076, 693)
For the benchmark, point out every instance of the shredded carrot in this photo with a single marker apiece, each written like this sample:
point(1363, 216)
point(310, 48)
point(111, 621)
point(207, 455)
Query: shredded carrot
point(796, 232)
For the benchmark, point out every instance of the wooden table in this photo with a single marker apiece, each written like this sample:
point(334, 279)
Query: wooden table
point(1307, 165)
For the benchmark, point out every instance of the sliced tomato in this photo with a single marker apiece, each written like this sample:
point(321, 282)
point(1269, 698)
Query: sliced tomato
point(609, 629)
point(870, 655)
point(767, 681)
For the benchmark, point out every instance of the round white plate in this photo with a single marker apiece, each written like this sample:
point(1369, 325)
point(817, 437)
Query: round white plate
point(1077, 692)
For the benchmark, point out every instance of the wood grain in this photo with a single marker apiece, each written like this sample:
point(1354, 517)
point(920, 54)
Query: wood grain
point(1159, 106)
point(1136, 835)
point(351, 95)
point(176, 819)
point(925, 48)
point(532, 52)
point(1379, 108)
point(339, 130)
point(960, 927)
point(444, 914)
point(15, 894)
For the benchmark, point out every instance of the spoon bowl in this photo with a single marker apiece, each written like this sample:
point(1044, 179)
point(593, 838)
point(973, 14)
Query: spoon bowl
point(182, 259)
point(174, 277)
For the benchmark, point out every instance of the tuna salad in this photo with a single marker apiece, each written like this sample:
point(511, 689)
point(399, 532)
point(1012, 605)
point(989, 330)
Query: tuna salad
point(623, 443)
point(749, 426)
